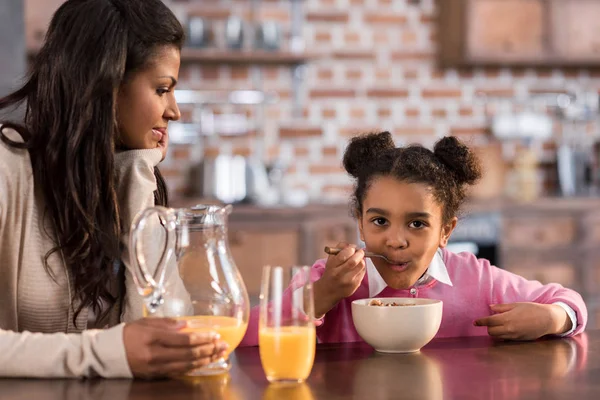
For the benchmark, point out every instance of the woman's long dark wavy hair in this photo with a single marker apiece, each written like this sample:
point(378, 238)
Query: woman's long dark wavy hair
point(70, 129)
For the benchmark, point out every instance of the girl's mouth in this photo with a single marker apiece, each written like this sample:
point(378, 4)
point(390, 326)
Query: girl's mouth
point(398, 267)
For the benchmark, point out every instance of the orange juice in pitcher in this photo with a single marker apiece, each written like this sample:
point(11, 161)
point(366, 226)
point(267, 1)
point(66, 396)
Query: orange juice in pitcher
point(232, 330)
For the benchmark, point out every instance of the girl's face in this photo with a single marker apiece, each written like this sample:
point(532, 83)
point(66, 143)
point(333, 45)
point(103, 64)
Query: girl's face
point(403, 222)
point(146, 103)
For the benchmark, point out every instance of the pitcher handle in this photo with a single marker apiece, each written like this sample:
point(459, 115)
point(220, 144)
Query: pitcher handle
point(149, 285)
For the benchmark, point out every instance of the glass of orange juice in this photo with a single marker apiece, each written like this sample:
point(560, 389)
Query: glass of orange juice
point(286, 332)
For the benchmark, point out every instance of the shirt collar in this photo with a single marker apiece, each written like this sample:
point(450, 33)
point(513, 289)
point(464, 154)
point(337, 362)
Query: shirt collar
point(437, 270)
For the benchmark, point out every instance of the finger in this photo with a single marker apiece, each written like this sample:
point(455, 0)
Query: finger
point(497, 331)
point(500, 308)
point(343, 256)
point(359, 272)
point(360, 267)
point(493, 320)
point(182, 367)
point(354, 260)
point(220, 354)
point(501, 332)
point(182, 354)
point(185, 339)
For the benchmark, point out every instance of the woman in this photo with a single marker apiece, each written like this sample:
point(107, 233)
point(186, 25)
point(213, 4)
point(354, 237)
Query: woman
point(98, 99)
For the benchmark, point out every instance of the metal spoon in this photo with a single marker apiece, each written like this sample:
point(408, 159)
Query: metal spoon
point(334, 250)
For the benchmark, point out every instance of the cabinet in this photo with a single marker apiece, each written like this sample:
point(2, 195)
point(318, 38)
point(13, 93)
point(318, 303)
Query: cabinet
point(556, 241)
point(519, 32)
point(577, 29)
point(509, 29)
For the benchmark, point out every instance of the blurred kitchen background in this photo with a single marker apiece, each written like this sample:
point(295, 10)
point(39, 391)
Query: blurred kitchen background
point(271, 91)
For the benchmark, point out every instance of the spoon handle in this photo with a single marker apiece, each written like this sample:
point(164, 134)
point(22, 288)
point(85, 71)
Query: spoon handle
point(334, 250)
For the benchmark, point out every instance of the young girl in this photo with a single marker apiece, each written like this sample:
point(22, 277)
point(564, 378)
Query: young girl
point(406, 201)
point(73, 175)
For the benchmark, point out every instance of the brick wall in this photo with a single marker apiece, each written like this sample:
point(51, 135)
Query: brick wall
point(374, 69)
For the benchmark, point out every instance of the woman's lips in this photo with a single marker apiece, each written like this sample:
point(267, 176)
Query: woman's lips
point(157, 134)
point(160, 135)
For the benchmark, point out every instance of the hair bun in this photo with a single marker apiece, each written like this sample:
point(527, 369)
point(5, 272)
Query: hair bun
point(459, 159)
point(363, 150)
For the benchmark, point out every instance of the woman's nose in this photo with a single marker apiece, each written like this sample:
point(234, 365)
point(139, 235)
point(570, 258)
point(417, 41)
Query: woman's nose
point(172, 112)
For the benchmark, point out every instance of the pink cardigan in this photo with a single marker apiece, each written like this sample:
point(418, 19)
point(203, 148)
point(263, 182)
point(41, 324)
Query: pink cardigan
point(476, 285)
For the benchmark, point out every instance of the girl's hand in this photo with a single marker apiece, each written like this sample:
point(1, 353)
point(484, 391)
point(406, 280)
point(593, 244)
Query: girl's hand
point(343, 274)
point(156, 347)
point(525, 321)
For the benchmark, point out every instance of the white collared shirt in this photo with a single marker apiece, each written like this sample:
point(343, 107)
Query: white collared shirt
point(436, 270)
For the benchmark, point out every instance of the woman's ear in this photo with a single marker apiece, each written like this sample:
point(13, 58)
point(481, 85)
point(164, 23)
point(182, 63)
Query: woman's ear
point(447, 231)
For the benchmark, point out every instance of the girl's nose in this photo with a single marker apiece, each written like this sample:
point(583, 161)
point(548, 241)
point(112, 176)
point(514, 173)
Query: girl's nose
point(397, 239)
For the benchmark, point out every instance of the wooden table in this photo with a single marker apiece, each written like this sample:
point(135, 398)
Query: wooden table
point(461, 368)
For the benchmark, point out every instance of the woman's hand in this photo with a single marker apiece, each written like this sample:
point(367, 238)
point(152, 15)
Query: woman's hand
point(156, 347)
point(343, 274)
point(525, 321)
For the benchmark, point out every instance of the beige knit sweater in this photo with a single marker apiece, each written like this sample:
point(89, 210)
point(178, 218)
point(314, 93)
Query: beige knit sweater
point(37, 334)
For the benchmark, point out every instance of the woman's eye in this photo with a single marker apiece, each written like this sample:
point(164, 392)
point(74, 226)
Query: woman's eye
point(417, 224)
point(380, 221)
point(162, 91)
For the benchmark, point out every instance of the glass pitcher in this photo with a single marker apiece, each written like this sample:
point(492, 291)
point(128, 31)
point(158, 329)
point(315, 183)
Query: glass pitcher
point(195, 277)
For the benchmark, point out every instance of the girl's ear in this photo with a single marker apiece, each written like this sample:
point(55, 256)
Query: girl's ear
point(447, 231)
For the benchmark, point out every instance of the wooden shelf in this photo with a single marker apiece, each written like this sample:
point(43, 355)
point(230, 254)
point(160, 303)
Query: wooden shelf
point(215, 56)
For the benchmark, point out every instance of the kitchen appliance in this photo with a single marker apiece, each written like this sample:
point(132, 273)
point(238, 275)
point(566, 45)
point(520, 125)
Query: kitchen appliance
point(478, 233)
point(199, 32)
point(576, 159)
point(221, 178)
point(234, 32)
point(569, 118)
point(268, 36)
point(233, 179)
point(258, 187)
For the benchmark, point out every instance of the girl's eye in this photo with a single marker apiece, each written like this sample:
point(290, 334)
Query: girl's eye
point(380, 221)
point(417, 224)
point(162, 91)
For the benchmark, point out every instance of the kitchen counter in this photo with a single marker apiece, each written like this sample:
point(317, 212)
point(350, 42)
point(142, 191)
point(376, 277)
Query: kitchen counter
point(457, 368)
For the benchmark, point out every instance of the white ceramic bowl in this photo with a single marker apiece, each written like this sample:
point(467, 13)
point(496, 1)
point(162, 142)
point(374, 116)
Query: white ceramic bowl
point(397, 329)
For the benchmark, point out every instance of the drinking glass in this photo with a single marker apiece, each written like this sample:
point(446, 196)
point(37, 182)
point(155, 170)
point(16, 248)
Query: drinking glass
point(286, 334)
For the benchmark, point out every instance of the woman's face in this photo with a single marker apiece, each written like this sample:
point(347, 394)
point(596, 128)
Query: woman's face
point(146, 103)
point(402, 221)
